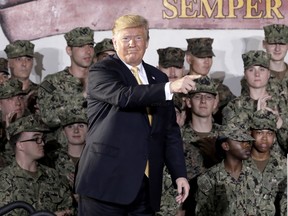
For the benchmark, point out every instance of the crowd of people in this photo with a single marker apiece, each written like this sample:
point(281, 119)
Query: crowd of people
point(112, 135)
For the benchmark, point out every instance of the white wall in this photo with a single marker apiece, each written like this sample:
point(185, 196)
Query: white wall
point(228, 46)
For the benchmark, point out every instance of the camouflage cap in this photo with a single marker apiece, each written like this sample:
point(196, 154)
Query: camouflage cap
point(105, 45)
point(80, 36)
point(171, 57)
point(256, 57)
point(4, 66)
point(233, 132)
point(11, 88)
point(276, 33)
point(200, 47)
point(73, 115)
point(264, 119)
point(204, 84)
point(20, 48)
point(30, 123)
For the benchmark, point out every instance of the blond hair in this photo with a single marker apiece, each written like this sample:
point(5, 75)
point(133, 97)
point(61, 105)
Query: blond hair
point(130, 21)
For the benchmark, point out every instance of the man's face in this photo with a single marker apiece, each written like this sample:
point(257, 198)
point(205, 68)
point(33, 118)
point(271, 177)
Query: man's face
point(264, 140)
point(130, 45)
point(202, 104)
point(12, 105)
point(257, 76)
point(81, 56)
point(76, 133)
point(21, 67)
point(200, 66)
point(173, 73)
point(238, 150)
point(277, 51)
point(32, 149)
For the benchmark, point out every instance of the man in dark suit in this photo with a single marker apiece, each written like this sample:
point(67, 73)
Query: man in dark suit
point(132, 127)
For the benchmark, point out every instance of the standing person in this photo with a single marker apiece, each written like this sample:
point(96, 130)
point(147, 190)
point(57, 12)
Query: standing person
point(4, 74)
point(70, 82)
point(103, 49)
point(276, 44)
point(268, 167)
point(121, 141)
point(27, 180)
point(224, 190)
point(240, 110)
point(199, 137)
point(171, 62)
point(20, 55)
point(199, 56)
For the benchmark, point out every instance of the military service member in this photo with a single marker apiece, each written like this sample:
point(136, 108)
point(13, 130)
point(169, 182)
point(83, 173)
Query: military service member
point(20, 55)
point(268, 167)
point(276, 44)
point(103, 49)
point(199, 56)
point(240, 110)
point(199, 137)
point(72, 81)
point(4, 74)
point(171, 62)
point(224, 189)
point(74, 124)
point(25, 179)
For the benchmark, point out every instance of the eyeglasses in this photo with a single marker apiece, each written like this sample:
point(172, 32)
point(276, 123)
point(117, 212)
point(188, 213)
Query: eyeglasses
point(38, 140)
point(207, 97)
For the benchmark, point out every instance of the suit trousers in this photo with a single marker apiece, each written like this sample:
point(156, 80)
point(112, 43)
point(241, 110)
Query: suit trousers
point(139, 207)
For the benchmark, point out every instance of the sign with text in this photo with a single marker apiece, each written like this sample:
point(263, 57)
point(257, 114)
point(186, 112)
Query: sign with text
point(30, 19)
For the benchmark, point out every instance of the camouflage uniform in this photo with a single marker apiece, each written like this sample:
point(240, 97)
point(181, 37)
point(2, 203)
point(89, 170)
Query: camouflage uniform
point(220, 194)
point(240, 110)
point(4, 66)
point(10, 88)
point(268, 184)
point(170, 57)
point(18, 49)
point(201, 48)
point(47, 190)
point(64, 163)
point(271, 182)
point(278, 82)
point(44, 189)
point(105, 45)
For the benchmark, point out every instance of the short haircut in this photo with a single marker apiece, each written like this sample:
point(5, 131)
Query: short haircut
point(13, 140)
point(130, 21)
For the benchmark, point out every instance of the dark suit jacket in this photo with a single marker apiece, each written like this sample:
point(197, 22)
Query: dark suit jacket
point(120, 139)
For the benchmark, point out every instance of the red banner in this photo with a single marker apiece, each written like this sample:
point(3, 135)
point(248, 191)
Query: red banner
point(24, 19)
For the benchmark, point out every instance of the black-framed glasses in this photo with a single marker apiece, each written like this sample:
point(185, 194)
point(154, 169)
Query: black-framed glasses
point(38, 140)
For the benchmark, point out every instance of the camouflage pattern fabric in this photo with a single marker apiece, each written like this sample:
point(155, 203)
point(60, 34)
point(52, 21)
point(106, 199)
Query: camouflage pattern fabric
point(194, 159)
point(20, 48)
point(46, 191)
point(171, 57)
point(276, 33)
point(79, 36)
point(4, 66)
point(65, 165)
point(256, 57)
point(105, 45)
point(11, 88)
point(264, 119)
point(206, 85)
point(56, 92)
point(240, 112)
point(169, 206)
point(270, 182)
point(200, 47)
point(219, 194)
point(73, 115)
